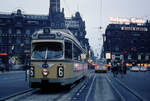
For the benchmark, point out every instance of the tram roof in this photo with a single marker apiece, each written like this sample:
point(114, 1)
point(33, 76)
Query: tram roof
point(65, 33)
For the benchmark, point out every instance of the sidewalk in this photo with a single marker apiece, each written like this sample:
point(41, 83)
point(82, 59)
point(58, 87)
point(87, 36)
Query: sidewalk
point(9, 72)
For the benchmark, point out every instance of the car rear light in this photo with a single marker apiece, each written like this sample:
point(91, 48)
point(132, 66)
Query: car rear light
point(45, 72)
point(95, 67)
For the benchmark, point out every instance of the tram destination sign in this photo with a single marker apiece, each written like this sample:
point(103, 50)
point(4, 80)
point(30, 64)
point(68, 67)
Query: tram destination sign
point(46, 36)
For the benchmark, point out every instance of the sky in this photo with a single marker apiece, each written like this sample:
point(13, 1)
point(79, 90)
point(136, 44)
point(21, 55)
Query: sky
point(96, 13)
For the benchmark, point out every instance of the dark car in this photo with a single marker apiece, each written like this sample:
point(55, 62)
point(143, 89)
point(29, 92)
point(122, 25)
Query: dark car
point(148, 68)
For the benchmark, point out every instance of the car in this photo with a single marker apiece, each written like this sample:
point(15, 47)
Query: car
point(101, 68)
point(143, 69)
point(134, 69)
point(148, 68)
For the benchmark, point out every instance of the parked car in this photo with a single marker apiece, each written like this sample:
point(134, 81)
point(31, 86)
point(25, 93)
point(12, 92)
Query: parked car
point(143, 69)
point(134, 69)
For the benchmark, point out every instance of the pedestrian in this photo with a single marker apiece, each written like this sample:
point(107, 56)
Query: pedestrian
point(115, 70)
point(124, 68)
point(10, 63)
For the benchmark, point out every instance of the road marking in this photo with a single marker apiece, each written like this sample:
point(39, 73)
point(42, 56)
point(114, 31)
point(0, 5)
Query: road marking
point(123, 99)
point(87, 96)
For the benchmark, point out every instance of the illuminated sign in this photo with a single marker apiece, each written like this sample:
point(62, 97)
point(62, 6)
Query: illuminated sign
point(124, 20)
point(3, 54)
point(134, 28)
point(108, 56)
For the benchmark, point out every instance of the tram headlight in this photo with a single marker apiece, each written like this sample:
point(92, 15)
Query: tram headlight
point(31, 71)
point(45, 72)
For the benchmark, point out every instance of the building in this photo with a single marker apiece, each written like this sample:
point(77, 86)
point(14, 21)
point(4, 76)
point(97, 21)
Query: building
point(127, 42)
point(77, 26)
point(16, 29)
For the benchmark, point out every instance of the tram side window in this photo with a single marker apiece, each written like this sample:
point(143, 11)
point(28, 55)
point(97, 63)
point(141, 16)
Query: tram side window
point(77, 52)
point(68, 49)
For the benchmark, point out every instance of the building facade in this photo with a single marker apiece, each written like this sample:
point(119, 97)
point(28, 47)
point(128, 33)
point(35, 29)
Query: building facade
point(128, 43)
point(17, 28)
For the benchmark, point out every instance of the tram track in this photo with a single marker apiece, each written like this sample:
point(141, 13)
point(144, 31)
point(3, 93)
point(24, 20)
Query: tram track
point(12, 97)
point(52, 95)
point(131, 92)
point(64, 94)
point(122, 98)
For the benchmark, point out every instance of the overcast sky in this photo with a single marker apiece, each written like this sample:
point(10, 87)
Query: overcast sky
point(92, 12)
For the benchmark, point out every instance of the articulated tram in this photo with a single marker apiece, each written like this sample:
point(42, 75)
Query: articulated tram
point(56, 57)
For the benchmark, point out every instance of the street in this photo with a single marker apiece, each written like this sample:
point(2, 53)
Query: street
point(94, 87)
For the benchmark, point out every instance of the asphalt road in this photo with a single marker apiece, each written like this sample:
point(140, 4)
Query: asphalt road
point(12, 82)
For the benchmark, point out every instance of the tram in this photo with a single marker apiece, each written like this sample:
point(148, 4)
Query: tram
point(57, 57)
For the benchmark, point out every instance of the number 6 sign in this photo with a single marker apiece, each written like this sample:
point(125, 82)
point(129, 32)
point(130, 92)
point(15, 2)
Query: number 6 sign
point(60, 71)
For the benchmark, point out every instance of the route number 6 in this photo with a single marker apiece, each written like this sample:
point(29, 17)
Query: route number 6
point(60, 71)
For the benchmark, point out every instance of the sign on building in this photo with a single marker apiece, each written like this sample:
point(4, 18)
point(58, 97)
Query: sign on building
point(72, 24)
point(108, 56)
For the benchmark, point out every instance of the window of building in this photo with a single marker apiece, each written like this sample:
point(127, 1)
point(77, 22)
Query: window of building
point(18, 31)
point(1, 31)
point(8, 21)
point(18, 40)
point(18, 23)
point(1, 20)
point(9, 31)
point(62, 25)
point(27, 41)
point(116, 48)
point(9, 41)
point(68, 49)
point(52, 24)
point(27, 31)
point(0, 39)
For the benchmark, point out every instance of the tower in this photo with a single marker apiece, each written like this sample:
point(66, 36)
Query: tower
point(54, 7)
point(56, 16)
